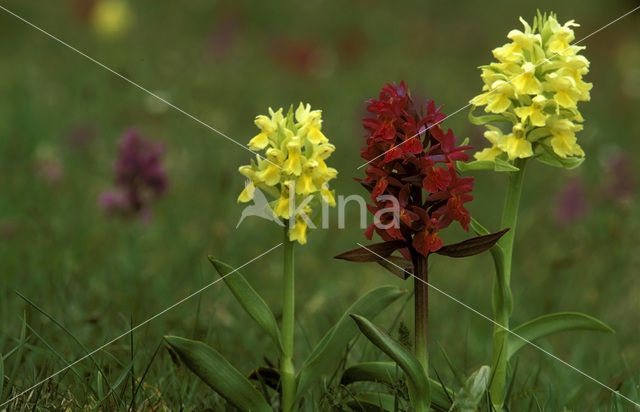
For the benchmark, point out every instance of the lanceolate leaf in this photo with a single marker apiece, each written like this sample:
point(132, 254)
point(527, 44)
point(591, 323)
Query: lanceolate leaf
point(372, 253)
point(548, 156)
point(250, 300)
point(497, 165)
point(332, 346)
point(373, 402)
point(471, 246)
point(389, 373)
point(219, 374)
point(470, 395)
point(417, 381)
point(382, 372)
point(488, 118)
point(393, 265)
point(553, 323)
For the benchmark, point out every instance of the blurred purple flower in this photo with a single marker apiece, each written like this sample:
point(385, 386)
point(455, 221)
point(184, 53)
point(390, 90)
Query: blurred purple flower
point(140, 177)
point(571, 202)
point(619, 182)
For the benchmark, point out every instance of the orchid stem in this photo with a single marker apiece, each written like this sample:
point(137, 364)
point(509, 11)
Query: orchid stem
point(502, 298)
point(421, 299)
point(287, 371)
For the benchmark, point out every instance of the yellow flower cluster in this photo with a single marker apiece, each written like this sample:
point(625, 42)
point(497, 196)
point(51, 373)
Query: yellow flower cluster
point(536, 84)
point(293, 169)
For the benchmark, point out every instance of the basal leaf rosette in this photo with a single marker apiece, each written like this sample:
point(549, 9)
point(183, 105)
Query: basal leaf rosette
point(290, 167)
point(535, 85)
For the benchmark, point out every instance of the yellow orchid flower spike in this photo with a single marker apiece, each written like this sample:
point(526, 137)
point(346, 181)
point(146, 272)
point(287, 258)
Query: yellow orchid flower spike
point(292, 170)
point(536, 82)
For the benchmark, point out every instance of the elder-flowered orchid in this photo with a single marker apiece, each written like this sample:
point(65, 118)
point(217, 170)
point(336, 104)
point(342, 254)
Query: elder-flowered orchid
point(293, 167)
point(408, 153)
point(535, 83)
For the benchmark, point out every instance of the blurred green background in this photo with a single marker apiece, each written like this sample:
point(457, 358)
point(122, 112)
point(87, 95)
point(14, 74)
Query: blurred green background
point(227, 61)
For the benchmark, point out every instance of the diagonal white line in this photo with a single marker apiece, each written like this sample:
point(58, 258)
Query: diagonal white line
point(173, 106)
point(493, 90)
point(137, 326)
point(506, 329)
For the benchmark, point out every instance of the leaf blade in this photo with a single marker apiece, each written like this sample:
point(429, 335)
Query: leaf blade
point(471, 246)
point(210, 366)
point(249, 299)
point(553, 323)
point(419, 388)
point(389, 373)
point(372, 253)
point(338, 337)
point(372, 401)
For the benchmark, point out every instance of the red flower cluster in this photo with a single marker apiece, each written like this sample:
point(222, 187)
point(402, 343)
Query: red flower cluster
point(407, 152)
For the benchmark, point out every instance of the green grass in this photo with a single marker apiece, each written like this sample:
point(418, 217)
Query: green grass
point(91, 274)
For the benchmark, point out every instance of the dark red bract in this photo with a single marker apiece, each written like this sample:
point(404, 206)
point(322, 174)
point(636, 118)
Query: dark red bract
point(412, 159)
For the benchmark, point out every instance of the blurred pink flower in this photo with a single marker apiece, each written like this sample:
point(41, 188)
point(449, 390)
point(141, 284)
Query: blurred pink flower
point(571, 202)
point(113, 201)
point(140, 177)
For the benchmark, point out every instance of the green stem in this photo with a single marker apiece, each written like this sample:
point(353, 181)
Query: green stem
point(502, 298)
point(421, 299)
point(287, 371)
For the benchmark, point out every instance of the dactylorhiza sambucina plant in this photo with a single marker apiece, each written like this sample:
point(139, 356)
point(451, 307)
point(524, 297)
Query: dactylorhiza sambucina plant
point(295, 173)
point(292, 171)
point(416, 192)
point(533, 90)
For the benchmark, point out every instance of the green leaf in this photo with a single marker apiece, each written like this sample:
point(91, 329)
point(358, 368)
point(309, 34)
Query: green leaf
point(553, 323)
point(373, 402)
point(219, 374)
point(331, 347)
point(475, 165)
point(497, 165)
point(250, 300)
point(417, 381)
point(501, 165)
point(548, 156)
point(470, 395)
point(389, 373)
point(489, 118)
point(381, 372)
